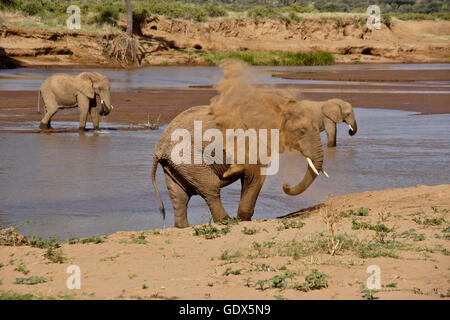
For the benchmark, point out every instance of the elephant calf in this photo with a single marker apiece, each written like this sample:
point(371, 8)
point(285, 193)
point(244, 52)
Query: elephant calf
point(69, 91)
point(328, 113)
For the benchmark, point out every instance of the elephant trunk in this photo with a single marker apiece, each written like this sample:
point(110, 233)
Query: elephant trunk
point(105, 105)
point(314, 167)
point(352, 126)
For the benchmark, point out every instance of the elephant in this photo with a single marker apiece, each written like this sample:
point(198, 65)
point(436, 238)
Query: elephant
point(297, 131)
point(328, 113)
point(69, 91)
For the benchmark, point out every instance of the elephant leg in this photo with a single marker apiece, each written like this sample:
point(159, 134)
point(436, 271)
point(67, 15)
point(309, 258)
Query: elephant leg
point(330, 128)
point(215, 206)
point(251, 186)
point(95, 117)
point(46, 121)
point(180, 201)
point(83, 105)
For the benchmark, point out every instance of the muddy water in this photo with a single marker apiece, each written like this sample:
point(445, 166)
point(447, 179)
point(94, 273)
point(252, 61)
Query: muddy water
point(31, 79)
point(72, 185)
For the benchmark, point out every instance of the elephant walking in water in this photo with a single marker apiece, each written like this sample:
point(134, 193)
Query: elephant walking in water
point(244, 110)
point(298, 131)
point(69, 91)
point(328, 113)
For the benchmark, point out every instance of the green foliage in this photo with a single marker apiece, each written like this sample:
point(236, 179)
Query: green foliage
point(229, 271)
point(10, 295)
point(290, 224)
point(410, 234)
point(316, 280)
point(296, 7)
point(30, 281)
point(108, 14)
point(262, 12)
point(429, 221)
point(362, 212)
point(423, 16)
point(275, 58)
point(367, 226)
point(249, 231)
point(55, 255)
point(374, 249)
point(39, 242)
point(210, 231)
point(369, 294)
point(214, 11)
point(22, 268)
point(230, 222)
point(228, 256)
point(391, 285)
point(95, 240)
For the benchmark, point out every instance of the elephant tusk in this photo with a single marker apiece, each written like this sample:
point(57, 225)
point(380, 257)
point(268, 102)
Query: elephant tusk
point(101, 101)
point(351, 128)
point(112, 107)
point(325, 174)
point(310, 163)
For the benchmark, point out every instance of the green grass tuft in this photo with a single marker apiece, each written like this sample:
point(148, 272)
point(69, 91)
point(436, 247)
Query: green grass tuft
point(272, 58)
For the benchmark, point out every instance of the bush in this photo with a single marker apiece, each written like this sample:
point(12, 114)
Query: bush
point(197, 14)
point(214, 11)
point(298, 8)
point(9, 4)
point(108, 15)
point(32, 8)
point(260, 12)
point(276, 58)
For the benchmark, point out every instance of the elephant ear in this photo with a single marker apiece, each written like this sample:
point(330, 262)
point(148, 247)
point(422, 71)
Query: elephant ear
point(332, 110)
point(85, 85)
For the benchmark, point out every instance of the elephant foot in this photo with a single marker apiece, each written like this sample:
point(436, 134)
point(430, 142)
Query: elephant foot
point(96, 127)
point(44, 126)
point(183, 224)
point(82, 129)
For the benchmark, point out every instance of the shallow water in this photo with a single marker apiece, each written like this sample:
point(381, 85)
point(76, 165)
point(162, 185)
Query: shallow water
point(31, 79)
point(72, 185)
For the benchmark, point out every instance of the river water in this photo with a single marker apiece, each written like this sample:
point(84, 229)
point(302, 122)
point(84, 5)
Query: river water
point(72, 185)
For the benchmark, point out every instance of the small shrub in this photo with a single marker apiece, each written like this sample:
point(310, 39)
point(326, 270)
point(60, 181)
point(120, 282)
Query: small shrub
point(261, 12)
point(391, 285)
point(55, 255)
point(214, 11)
point(30, 281)
point(228, 256)
point(249, 231)
point(108, 14)
point(290, 223)
point(316, 280)
point(369, 294)
point(22, 268)
point(209, 231)
point(429, 221)
point(229, 271)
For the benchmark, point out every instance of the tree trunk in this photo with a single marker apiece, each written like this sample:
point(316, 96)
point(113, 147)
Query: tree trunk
point(129, 19)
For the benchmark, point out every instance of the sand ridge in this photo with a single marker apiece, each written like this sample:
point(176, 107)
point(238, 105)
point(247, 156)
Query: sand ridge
point(176, 264)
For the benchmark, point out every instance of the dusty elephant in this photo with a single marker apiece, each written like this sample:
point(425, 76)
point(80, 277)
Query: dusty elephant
point(297, 132)
point(69, 91)
point(328, 113)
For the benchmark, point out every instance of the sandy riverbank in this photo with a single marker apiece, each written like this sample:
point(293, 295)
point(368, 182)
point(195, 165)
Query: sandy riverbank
point(177, 42)
point(174, 263)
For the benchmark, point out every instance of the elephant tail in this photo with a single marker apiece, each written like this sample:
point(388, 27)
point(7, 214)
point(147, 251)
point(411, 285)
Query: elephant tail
point(161, 204)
